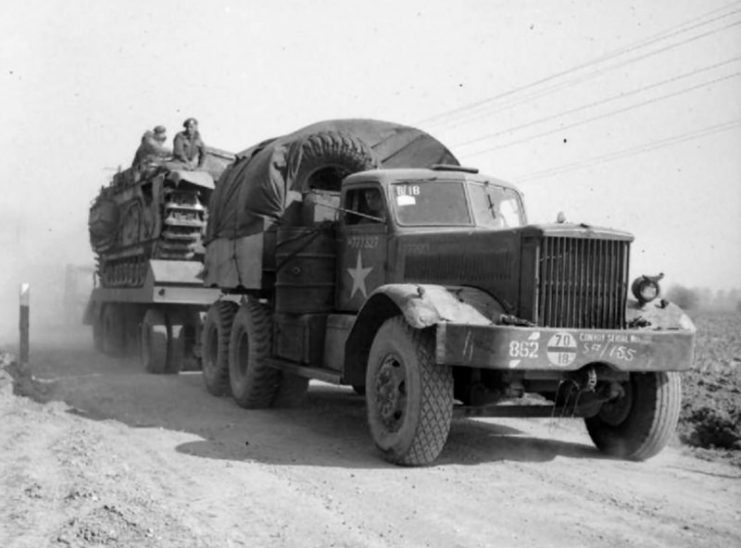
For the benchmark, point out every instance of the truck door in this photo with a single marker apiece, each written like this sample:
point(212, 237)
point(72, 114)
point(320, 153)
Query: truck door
point(362, 243)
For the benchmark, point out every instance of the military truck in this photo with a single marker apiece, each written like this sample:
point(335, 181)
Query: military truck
point(360, 253)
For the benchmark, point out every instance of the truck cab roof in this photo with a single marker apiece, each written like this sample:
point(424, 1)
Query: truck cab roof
point(433, 173)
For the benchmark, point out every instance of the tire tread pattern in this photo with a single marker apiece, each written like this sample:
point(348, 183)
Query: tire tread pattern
point(436, 397)
point(651, 422)
point(259, 385)
point(437, 405)
point(329, 148)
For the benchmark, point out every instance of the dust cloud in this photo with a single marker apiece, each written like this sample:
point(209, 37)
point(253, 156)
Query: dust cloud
point(54, 258)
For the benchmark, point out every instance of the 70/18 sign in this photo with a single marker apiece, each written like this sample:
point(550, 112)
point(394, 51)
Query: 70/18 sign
point(561, 349)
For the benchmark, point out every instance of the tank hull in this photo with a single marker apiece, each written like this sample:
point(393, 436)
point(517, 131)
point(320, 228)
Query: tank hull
point(157, 214)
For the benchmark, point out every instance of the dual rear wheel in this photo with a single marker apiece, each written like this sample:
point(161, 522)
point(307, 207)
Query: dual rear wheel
point(236, 345)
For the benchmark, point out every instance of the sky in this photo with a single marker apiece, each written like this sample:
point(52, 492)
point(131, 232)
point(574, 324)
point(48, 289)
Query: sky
point(619, 114)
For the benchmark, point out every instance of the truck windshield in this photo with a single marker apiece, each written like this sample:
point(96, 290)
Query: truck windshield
point(495, 206)
point(431, 203)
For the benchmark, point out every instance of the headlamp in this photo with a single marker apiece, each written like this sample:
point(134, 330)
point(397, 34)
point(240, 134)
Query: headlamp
point(646, 288)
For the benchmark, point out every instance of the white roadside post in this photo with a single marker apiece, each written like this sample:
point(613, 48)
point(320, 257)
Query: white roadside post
point(25, 300)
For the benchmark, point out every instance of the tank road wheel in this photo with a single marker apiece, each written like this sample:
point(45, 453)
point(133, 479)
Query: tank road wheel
point(409, 397)
point(217, 329)
point(638, 424)
point(254, 383)
point(157, 343)
point(112, 330)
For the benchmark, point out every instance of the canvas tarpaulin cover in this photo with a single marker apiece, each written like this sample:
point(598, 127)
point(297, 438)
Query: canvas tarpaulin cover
point(254, 191)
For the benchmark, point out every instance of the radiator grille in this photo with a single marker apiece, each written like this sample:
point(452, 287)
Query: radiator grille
point(583, 283)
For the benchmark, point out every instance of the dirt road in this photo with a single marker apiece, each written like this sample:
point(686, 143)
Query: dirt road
point(122, 458)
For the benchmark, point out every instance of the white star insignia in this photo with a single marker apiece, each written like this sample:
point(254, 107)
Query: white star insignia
point(358, 275)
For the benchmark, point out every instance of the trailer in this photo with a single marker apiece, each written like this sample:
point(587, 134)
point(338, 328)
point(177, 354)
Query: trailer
point(146, 230)
point(159, 321)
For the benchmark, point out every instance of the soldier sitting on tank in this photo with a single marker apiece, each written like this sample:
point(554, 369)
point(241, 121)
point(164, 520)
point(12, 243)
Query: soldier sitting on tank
point(151, 151)
point(188, 145)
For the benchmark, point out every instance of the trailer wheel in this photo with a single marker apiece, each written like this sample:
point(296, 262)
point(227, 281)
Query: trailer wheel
point(215, 347)
point(112, 331)
point(409, 397)
point(291, 390)
point(639, 423)
point(253, 382)
point(156, 341)
point(184, 327)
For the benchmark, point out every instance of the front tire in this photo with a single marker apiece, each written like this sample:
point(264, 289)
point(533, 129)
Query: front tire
point(639, 423)
point(409, 397)
point(253, 382)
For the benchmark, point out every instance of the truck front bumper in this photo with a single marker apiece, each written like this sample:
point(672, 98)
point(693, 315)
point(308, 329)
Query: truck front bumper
point(562, 349)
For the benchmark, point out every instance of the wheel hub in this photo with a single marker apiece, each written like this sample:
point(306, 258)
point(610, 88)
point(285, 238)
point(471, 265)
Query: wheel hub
point(391, 393)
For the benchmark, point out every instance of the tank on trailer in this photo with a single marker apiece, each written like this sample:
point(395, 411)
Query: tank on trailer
point(146, 229)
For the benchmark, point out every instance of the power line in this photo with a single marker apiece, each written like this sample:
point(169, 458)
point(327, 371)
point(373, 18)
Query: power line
point(622, 95)
point(606, 114)
point(640, 149)
point(678, 29)
point(560, 85)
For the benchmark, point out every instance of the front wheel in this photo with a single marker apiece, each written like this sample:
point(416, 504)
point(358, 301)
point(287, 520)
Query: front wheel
point(409, 397)
point(639, 423)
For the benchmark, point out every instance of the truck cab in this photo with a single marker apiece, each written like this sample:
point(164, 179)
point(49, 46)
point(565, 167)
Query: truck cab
point(418, 215)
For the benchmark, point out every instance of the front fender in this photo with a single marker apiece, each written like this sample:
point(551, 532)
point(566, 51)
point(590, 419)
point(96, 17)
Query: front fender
point(422, 305)
point(425, 305)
